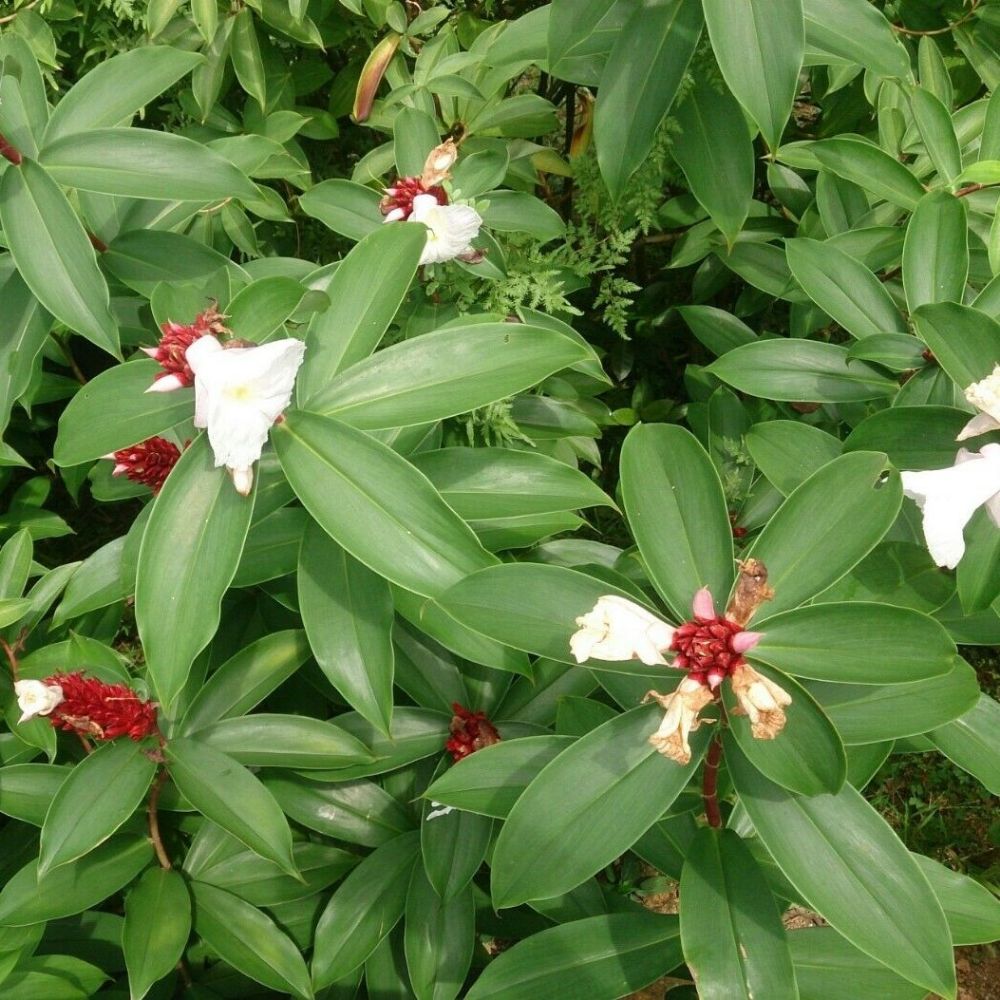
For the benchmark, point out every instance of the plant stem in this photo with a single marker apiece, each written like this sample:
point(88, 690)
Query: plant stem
point(710, 783)
point(154, 821)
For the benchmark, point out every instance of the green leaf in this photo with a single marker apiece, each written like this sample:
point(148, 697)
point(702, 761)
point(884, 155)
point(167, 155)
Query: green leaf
point(189, 555)
point(244, 50)
point(580, 36)
point(718, 330)
point(855, 643)
point(445, 373)
point(639, 83)
point(734, 943)
point(261, 308)
point(843, 288)
point(867, 165)
point(801, 371)
point(96, 583)
point(599, 958)
point(141, 258)
point(868, 713)
point(972, 911)
point(677, 511)
point(27, 327)
point(861, 893)
point(52, 252)
point(230, 796)
point(826, 526)
point(965, 341)
point(453, 847)
point(414, 134)
point(490, 781)
point(376, 505)
point(27, 790)
point(263, 740)
point(586, 808)
point(519, 212)
point(439, 939)
point(970, 741)
point(716, 154)
point(788, 452)
point(350, 209)
point(368, 287)
point(807, 756)
point(157, 927)
point(113, 411)
point(937, 132)
point(118, 87)
point(855, 31)
point(97, 797)
point(759, 46)
point(347, 611)
point(249, 940)
point(141, 163)
point(978, 574)
point(365, 907)
point(75, 887)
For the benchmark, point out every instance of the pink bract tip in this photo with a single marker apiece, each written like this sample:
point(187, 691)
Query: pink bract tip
point(166, 384)
point(744, 641)
point(703, 605)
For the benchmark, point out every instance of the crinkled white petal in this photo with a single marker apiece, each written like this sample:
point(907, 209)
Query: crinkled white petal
point(36, 698)
point(450, 228)
point(618, 629)
point(949, 497)
point(985, 394)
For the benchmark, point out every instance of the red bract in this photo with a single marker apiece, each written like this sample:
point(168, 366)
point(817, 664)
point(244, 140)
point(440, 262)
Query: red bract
point(398, 201)
point(176, 339)
point(470, 731)
point(704, 648)
point(148, 463)
point(101, 711)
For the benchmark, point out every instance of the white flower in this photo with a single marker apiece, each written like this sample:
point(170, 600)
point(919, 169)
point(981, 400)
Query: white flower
point(682, 708)
point(450, 228)
point(985, 396)
point(619, 629)
point(949, 498)
point(762, 700)
point(239, 392)
point(35, 698)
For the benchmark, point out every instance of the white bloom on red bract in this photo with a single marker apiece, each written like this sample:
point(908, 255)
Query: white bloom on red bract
point(762, 700)
point(985, 397)
point(949, 498)
point(36, 698)
point(681, 719)
point(450, 228)
point(239, 392)
point(618, 629)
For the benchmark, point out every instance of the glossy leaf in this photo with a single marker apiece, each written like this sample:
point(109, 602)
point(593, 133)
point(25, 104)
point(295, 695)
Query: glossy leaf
point(936, 251)
point(937, 132)
point(347, 208)
point(965, 341)
point(157, 927)
point(868, 166)
point(854, 31)
point(788, 452)
point(972, 911)
point(971, 742)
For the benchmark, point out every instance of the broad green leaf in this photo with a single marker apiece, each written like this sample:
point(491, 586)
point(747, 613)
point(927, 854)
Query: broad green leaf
point(639, 83)
point(965, 341)
point(99, 795)
point(231, 797)
point(15, 564)
point(936, 251)
point(366, 290)
point(247, 678)
point(96, 583)
point(453, 846)
point(113, 411)
point(861, 893)
point(26, 328)
point(439, 939)
point(972, 911)
point(855, 31)
point(350, 209)
point(141, 258)
point(734, 943)
point(347, 612)
point(826, 526)
point(27, 790)
point(867, 165)
point(75, 887)
point(978, 575)
point(587, 807)
point(843, 288)
point(788, 452)
point(599, 958)
point(759, 46)
point(272, 546)
point(141, 163)
point(54, 256)
point(677, 512)
point(244, 50)
point(489, 781)
point(854, 643)
point(970, 741)
point(807, 756)
point(249, 940)
point(715, 152)
point(530, 606)
point(580, 36)
point(801, 371)
point(363, 910)
point(157, 927)
point(376, 505)
point(868, 713)
point(937, 132)
point(188, 557)
point(118, 87)
point(260, 309)
point(718, 330)
point(414, 134)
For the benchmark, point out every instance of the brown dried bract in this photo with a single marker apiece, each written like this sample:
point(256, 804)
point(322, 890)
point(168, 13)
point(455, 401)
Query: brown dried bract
point(752, 591)
point(438, 164)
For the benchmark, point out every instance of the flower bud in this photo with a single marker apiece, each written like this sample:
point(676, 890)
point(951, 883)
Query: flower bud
point(470, 731)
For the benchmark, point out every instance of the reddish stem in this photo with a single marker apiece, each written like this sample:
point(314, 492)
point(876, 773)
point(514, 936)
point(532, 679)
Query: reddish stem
point(97, 243)
point(9, 152)
point(710, 783)
point(154, 821)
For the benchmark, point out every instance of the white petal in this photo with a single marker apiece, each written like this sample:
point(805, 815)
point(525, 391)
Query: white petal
point(166, 384)
point(982, 423)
